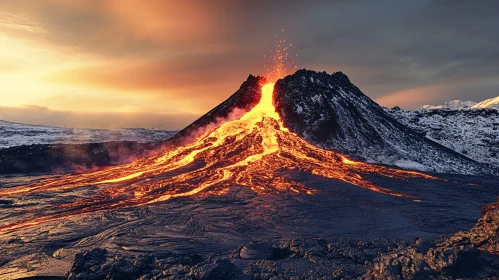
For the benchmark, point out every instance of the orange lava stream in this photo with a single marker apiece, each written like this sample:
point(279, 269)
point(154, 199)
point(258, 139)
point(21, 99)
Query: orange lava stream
point(250, 152)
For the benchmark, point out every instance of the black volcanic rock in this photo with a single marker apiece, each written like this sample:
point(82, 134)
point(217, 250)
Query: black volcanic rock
point(330, 112)
point(245, 98)
point(71, 157)
point(256, 251)
point(473, 254)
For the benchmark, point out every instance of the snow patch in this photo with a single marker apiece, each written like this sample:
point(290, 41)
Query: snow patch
point(409, 164)
point(17, 134)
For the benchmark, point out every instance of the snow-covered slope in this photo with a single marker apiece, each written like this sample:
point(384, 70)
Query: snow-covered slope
point(17, 134)
point(474, 133)
point(331, 112)
point(453, 104)
point(492, 103)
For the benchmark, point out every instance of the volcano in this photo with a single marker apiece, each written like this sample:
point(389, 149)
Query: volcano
point(330, 112)
point(250, 151)
point(254, 157)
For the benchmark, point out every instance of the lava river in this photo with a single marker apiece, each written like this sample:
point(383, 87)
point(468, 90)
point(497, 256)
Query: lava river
point(253, 151)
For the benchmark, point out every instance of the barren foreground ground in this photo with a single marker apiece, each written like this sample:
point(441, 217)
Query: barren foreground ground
point(339, 231)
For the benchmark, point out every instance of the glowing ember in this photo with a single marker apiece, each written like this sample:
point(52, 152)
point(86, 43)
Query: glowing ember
point(250, 152)
point(279, 59)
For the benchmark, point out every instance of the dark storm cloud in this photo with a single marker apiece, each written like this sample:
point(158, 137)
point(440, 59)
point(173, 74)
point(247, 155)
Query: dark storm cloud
point(391, 47)
point(439, 42)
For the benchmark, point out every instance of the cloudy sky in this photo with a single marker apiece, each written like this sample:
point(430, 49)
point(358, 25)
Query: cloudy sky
point(161, 64)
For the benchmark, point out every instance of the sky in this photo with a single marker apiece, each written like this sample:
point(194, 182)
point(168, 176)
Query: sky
point(162, 64)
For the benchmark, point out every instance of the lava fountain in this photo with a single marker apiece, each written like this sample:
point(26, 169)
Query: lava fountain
point(253, 151)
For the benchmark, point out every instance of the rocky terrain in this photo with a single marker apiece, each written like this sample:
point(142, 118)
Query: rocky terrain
point(472, 254)
point(245, 98)
point(473, 133)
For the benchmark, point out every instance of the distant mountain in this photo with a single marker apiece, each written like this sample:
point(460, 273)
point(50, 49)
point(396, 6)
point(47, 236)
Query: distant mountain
point(330, 112)
point(453, 104)
point(17, 134)
point(492, 103)
point(474, 132)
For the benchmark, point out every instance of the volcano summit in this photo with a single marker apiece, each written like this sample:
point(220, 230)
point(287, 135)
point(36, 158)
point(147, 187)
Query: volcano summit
point(256, 175)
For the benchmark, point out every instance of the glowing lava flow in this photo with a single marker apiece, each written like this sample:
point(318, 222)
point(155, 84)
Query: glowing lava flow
point(250, 152)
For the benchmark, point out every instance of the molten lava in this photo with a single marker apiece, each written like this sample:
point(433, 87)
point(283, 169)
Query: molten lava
point(253, 151)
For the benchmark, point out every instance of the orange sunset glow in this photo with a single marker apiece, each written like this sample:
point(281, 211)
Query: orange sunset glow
point(75, 63)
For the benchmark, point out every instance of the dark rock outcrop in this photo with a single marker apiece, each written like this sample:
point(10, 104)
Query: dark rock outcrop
point(89, 265)
point(71, 157)
point(96, 264)
point(256, 251)
point(465, 255)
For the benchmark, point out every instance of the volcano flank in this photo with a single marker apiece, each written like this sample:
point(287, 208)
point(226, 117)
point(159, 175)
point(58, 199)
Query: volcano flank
point(273, 161)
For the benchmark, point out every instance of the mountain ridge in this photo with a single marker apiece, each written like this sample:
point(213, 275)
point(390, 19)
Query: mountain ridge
point(491, 103)
point(452, 104)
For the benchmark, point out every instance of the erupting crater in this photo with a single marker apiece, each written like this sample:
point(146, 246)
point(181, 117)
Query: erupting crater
point(253, 151)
